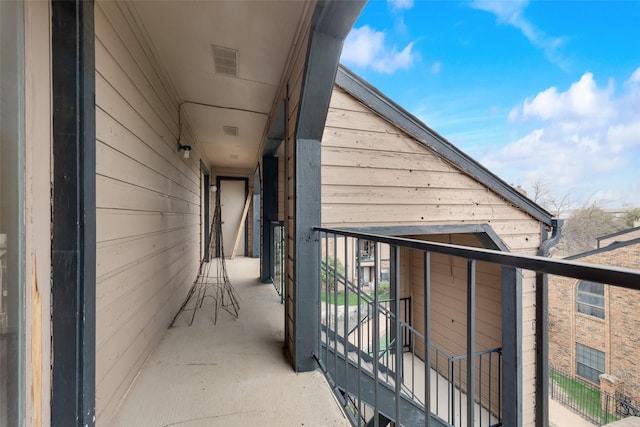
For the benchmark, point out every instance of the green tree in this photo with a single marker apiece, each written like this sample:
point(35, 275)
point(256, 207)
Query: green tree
point(332, 263)
point(581, 229)
point(631, 216)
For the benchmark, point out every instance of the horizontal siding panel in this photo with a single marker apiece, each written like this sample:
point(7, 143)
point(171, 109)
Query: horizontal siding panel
point(338, 175)
point(341, 100)
point(356, 120)
point(354, 157)
point(122, 195)
point(112, 287)
point(350, 138)
point(121, 306)
point(111, 71)
point(349, 194)
point(114, 31)
point(134, 345)
point(113, 164)
point(114, 348)
point(117, 255)
point(116, 136)
point(115, 224)
point(115, 106)
point(359, 214)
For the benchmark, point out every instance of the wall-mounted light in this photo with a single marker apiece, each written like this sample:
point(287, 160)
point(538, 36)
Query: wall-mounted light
point(185, 148)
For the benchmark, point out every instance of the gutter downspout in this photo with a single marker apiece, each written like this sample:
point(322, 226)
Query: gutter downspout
point(556, 234)
point(542, 330)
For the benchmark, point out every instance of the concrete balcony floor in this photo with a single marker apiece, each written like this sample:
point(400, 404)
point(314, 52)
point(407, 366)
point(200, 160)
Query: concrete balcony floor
point(233, 373)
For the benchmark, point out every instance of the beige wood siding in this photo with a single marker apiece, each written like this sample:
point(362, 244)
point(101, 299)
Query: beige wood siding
point(148, 205)
point(374, 174)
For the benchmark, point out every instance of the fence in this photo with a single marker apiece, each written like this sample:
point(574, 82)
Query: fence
point(586, 399)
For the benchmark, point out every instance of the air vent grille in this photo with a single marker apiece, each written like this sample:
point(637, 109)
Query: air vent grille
point(225, 60)
point(234, 157)
point(230, 130)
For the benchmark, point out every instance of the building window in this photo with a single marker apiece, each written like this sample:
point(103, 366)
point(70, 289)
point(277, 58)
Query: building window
point(589, 363)
point(367, 249)
point(590, 298)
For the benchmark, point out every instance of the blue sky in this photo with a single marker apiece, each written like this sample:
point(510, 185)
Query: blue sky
point(537, 91)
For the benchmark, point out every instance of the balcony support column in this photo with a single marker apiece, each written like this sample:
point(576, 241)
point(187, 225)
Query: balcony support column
point(331, 23)
point(73, 241)
point(511, 347)
point(269, 213)
point(542, 351)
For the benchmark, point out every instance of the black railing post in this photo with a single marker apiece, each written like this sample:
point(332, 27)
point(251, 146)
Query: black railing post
point(376, 340)
point(452, 384)
point(427, 340)
point(396, 327)
point(542, 351)
point(471, 338)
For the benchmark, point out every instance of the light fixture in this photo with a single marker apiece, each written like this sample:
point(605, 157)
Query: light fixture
point(186, 148)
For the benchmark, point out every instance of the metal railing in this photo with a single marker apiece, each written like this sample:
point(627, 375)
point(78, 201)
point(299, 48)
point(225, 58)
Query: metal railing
point(377, 391)
point(277, 231)
point(587, 400)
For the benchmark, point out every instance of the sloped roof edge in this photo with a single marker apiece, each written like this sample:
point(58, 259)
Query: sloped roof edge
point(618, 233)
point(364, 92)
point(616, 245)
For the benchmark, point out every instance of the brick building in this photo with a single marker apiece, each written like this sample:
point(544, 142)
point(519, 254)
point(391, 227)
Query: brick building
point(592, 326)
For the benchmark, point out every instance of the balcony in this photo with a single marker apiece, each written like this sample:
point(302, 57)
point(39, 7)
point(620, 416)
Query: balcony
point(232, 373)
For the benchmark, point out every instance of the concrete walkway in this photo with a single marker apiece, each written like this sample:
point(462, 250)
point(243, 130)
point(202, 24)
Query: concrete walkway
point(233, 373)
point(561, 416)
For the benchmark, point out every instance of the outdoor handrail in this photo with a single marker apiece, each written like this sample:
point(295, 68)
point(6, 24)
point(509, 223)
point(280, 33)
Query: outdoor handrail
point(618, 276)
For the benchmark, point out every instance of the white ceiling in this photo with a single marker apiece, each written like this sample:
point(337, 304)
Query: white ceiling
point(183, 33)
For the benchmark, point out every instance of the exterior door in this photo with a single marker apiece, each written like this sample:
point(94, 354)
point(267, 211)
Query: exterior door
point(232, 199)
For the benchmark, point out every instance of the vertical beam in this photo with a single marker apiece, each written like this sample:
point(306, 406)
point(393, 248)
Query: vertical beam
point(269, 213)
point(255, 244)
point(427, 338)
point(511, 347)
point(307, 267)
point(396, 327)
point(74, 210)
point(542, 351)
point(471, 339)
point(331, 22)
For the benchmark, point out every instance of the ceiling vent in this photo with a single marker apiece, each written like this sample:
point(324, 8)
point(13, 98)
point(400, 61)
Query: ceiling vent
point(230, 130)
point(234, 157)
point(226, 61)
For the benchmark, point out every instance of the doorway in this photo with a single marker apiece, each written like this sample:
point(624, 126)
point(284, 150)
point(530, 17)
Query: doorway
point(232, 195)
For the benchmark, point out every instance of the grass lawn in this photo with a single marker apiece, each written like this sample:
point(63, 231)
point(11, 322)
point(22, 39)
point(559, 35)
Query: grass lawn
point(353, 298)
point(584, 398)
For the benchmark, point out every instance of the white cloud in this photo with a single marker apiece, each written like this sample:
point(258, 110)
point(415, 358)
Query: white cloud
point(583, 100)
point(512, 13)
point(587, 142)
point(635, 77)
point(436, 67)
point(367, 48)
point(401, 4)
